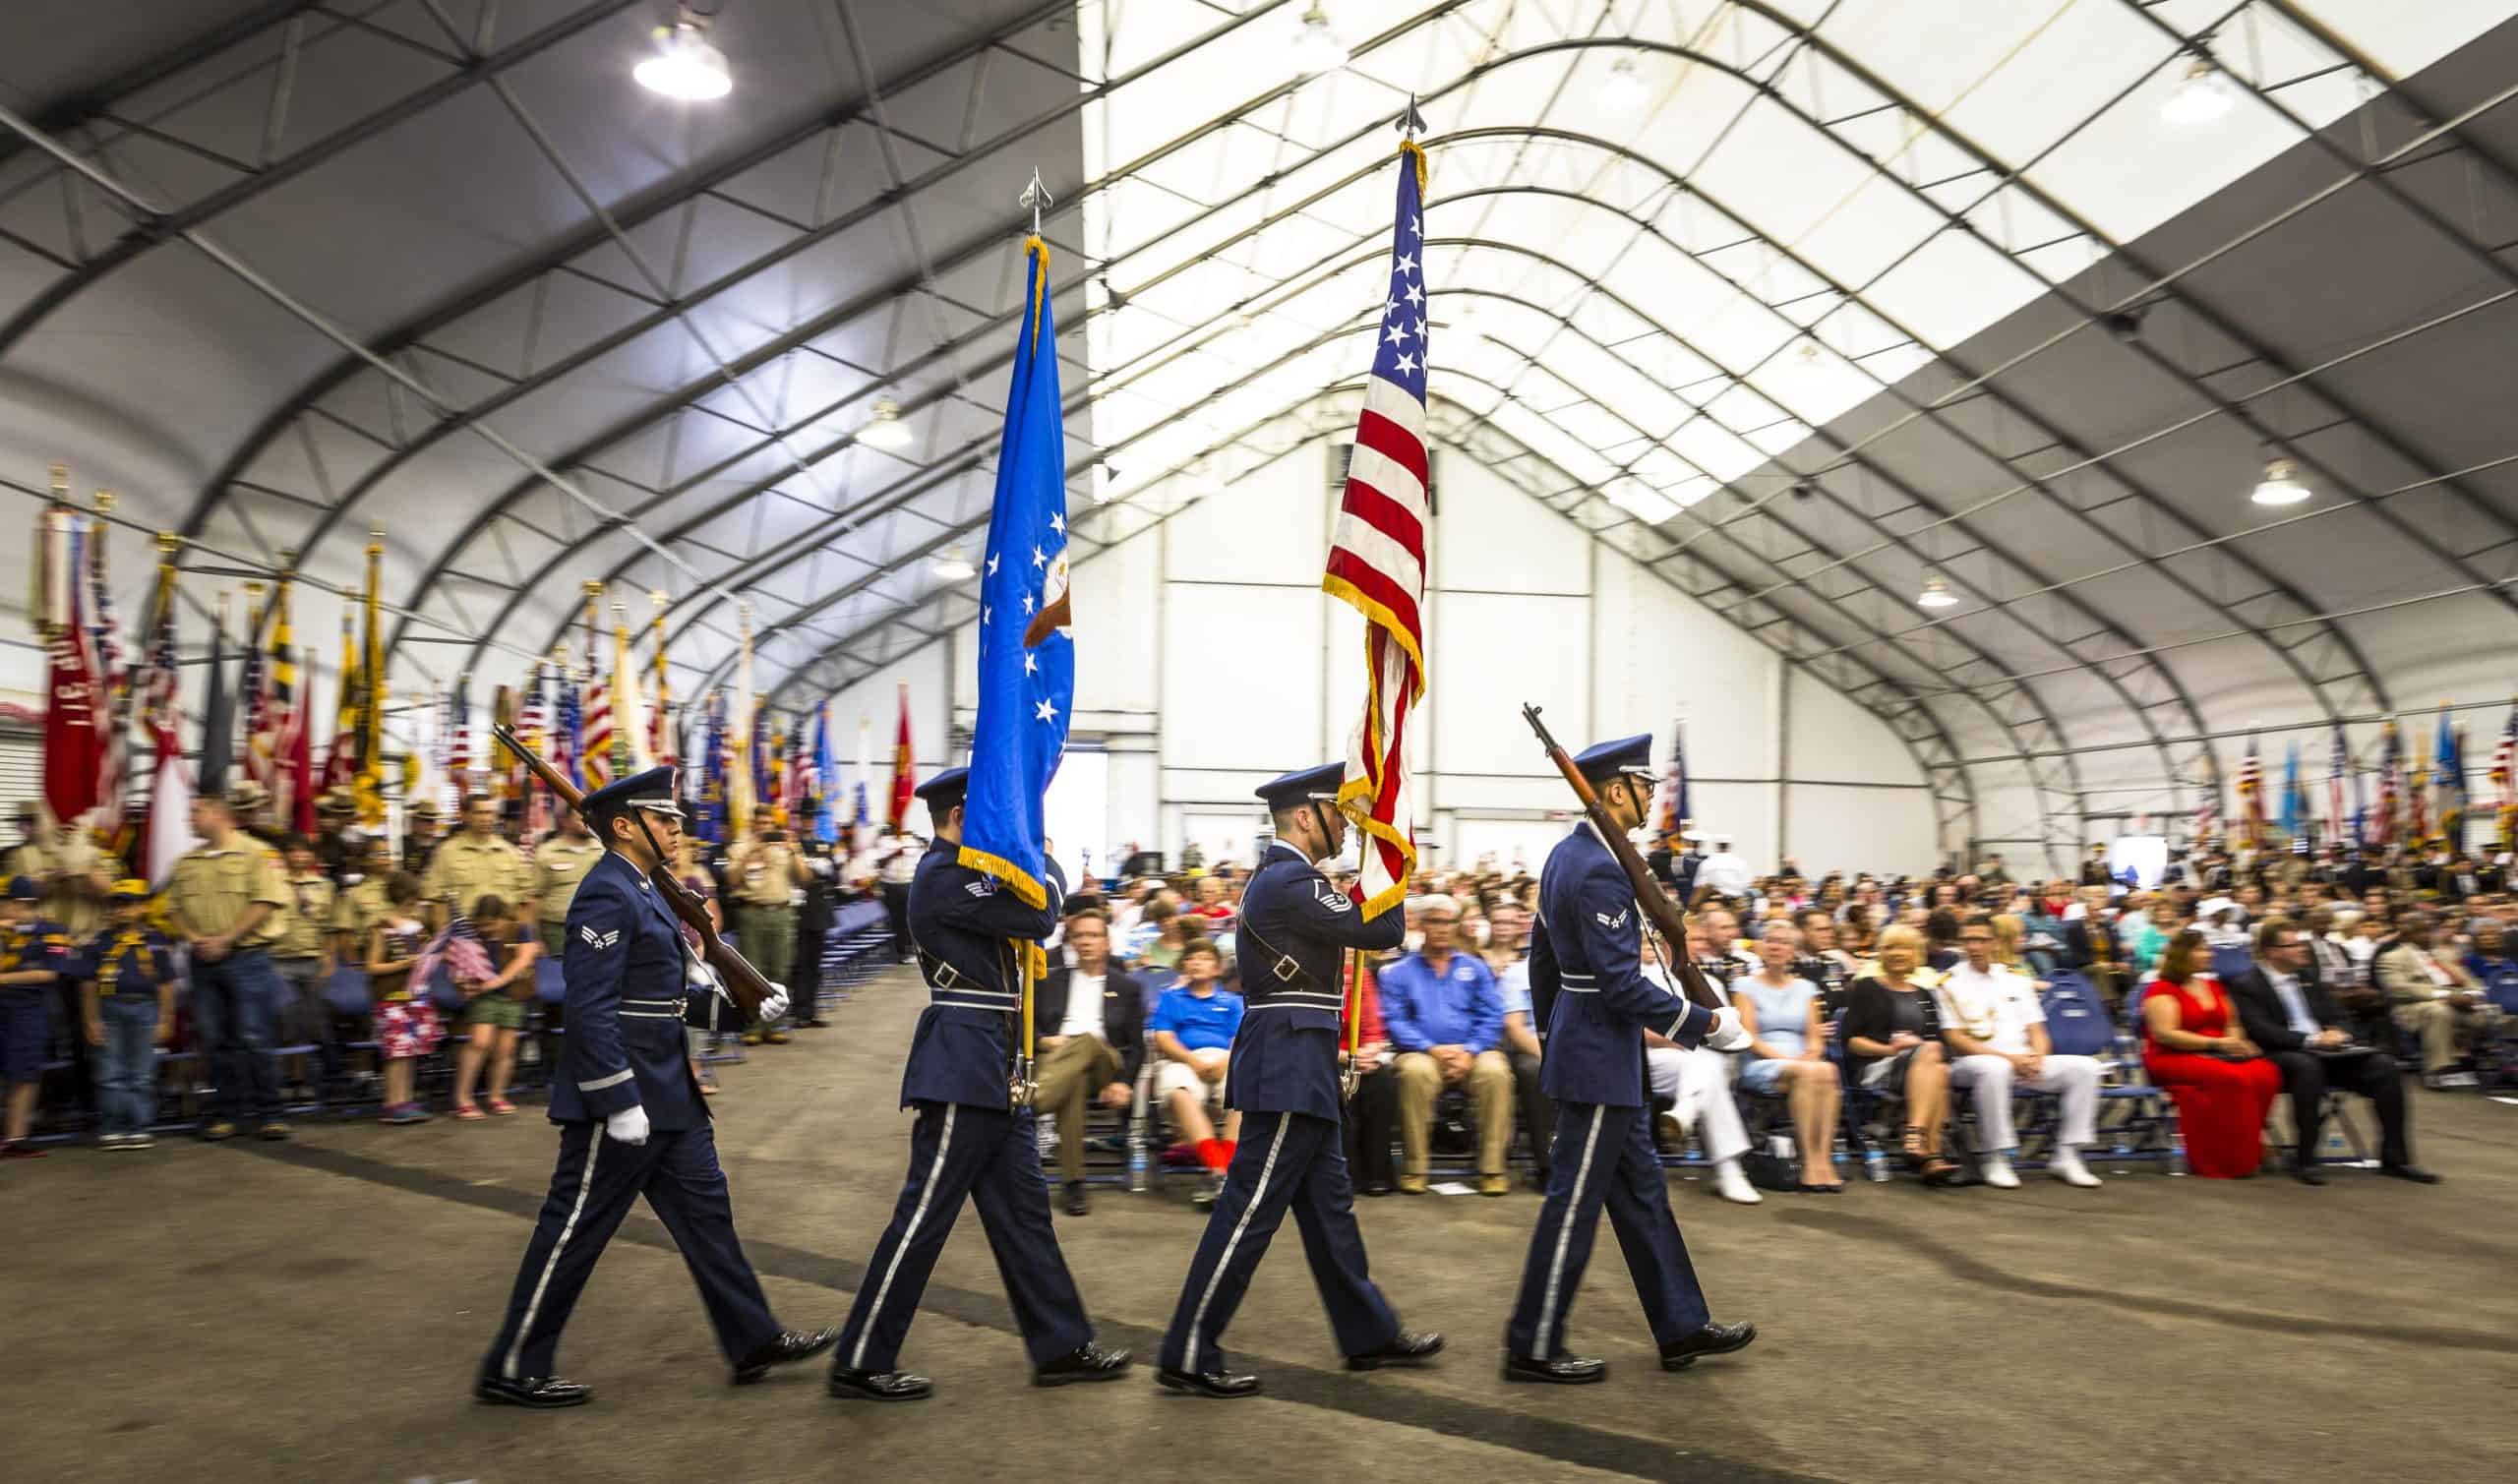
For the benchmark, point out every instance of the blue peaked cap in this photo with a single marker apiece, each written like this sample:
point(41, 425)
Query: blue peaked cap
point(651, 791)
point(946, 789)
point(1607, 760)
point(1305, 784)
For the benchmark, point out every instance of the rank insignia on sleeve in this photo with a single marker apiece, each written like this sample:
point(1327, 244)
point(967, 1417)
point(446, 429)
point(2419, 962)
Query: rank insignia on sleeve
point(1613, 924)
point(1331, 897)
point(599, 941)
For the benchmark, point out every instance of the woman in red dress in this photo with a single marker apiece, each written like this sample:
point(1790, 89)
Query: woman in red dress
point(2222, 1085)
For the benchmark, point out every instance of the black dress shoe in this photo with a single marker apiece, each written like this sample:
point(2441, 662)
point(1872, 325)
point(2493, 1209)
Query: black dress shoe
point(781, 1350)
point(1373, 1188)
point(1215, 1384)
point(816, 1024)
point(1712, 1340)
point(2306, 1174)
point(1406, 1347)
point(1077, 1203)
point(1559, 1370)
point(1086, 1362)
point(879, 1386)
point(540, 1391)
point(2413, 1173)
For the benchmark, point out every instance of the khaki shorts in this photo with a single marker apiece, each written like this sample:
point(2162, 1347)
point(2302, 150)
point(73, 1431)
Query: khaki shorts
point(496, 1008)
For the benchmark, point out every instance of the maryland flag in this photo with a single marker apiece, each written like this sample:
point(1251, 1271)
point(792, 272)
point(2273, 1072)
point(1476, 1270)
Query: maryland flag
point(341, 760)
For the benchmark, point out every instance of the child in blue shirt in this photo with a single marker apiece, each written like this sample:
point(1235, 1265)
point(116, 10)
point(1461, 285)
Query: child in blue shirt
point(130, 1002)
point(32, 953)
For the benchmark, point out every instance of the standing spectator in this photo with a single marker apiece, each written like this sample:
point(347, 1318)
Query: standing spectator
point(478, 862)
point(360, 899)
point(899, 870)
point(1090, 1020)
point(1446, 1020)
point(2194, 1047)
point(1508, 955)
point(422, 836)
point(34, 953)
point(1780, 1008)
point(303, 953)
point(693, 872)
point(70, 874)
point(559, 864)
point(2435, 999)
point(494, 1008)
point(1724, 874)
point(406, 1023)
point(813, 921)
point(1194, 1025)
point(225, 899)
point(766, 872)
point(1997, 1033)
point(129, 970)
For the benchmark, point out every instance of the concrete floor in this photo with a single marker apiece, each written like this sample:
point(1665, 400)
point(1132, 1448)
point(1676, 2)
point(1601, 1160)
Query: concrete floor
point(312, 1311)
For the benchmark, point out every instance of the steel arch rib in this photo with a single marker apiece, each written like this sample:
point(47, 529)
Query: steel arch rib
point(170, 226)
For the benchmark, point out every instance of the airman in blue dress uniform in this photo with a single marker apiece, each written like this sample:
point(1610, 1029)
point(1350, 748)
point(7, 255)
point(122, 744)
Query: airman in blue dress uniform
point(967, 928)
point(632, 1120)
point(1290, 938)
point(1588, 988)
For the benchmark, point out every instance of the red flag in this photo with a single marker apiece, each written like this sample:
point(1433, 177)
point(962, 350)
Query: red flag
point(73, 744)
point(902, 783)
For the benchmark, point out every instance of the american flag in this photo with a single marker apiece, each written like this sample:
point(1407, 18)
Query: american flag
point(458, 950)
point(159, 690)
point(534, 719)
point(2252, 796)
point(568, 733)
point(291, 764)
point(1377, 555)
point(2207, 810)
point(595, 754)
point(459, 738)
point(2504, 777)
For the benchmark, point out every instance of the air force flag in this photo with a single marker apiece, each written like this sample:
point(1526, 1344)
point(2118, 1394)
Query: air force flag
point(1027, 658)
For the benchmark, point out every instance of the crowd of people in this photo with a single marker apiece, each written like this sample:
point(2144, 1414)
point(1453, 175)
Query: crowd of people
point(2234, 980)
point(446, 927)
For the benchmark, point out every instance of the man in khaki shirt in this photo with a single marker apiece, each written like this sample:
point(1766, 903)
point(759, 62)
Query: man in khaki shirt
point(763, 874)
point(559, 864)
point(362, 900)
point(65, 868)
point(475, 864)
point(225, 900)
point(303, 953)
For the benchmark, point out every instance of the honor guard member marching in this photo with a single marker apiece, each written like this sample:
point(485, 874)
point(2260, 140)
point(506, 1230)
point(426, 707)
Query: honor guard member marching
point(632, 1120)
point(1589, 990)
point(1283, 1080)
point(969, 1140)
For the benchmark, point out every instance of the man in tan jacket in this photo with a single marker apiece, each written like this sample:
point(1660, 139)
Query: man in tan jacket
point(764, 873)
point(2432, 997)
point(478, 862)
point(225, 901)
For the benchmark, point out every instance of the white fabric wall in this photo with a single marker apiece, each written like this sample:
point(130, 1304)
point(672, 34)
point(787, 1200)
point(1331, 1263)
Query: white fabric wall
point(1208, 660)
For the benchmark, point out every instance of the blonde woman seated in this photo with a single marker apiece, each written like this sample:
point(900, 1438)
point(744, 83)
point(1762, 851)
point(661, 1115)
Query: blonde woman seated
point(1892, 1045)
point(1788, 1052)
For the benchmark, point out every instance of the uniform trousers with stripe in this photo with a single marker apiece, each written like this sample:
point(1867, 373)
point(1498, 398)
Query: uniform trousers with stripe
point(1284, 1160)
point(992, 1157)
point(597, 1180)
point(1603, 1156)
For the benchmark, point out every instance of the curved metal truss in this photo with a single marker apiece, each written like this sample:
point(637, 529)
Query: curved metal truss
point(2311, 644)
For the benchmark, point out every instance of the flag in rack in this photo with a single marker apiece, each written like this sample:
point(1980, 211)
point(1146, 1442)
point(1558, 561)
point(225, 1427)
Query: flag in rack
point(1377, 556)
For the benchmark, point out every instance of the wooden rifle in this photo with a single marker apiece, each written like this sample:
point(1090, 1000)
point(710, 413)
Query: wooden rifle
point(1665, 916)
point(746, 985)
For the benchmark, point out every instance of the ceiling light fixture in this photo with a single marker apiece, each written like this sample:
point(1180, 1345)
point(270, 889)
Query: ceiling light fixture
point(2202, 97)
point(953, 565)
point(1317, 48)
point(1936, 594)
point(887, 431)
point(1625, 90)
point(684, 66)
point(2281, 485)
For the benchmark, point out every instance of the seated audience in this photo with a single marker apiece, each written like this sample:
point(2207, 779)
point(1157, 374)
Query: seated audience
point(1892, 1045)
point(1088, 1021)
point(2435, 999)
point(1995, 1032)
point(1692, 1085)
point(1445, 1020)
point(1788, 1052)
point(1194, 1025)
point(1508, 955)
point(2196, 1047)
point(406, 1023)
point(1373, 1124)
point(2490, 964)
point(493, 1007)
point(1212, 906)
point(2290, 1015)
point(129, 996)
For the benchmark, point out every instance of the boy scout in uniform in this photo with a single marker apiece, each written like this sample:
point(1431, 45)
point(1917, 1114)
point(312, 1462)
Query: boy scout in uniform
point(361, 901)
point(766, 869)
point(129, 1007)
point(303, 955)
point(226, 899)
point(559, 864)
point(475, 864)
point(34, 952)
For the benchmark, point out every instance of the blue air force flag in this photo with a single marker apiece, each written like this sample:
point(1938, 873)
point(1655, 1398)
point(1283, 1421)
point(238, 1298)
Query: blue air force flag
point(1027, 658)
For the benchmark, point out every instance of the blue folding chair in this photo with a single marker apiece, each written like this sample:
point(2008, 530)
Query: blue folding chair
point(2228, 962)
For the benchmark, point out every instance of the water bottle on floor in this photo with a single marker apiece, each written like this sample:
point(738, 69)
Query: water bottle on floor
point(1136, 1158)
point(1875, 1166)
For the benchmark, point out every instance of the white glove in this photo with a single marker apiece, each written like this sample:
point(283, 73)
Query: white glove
point(628, 1126)
point(774, 1004)
point(1727, 1034)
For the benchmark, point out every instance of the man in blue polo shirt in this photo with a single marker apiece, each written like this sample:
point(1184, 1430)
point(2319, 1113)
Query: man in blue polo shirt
point(1446, 1021)
point(1194, 1025)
